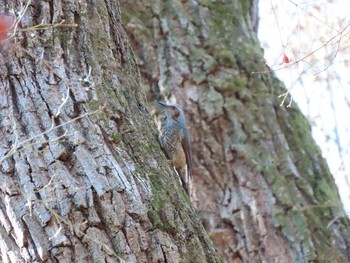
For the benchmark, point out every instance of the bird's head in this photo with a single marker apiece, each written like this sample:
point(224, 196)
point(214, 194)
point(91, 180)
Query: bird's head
point(173, 110)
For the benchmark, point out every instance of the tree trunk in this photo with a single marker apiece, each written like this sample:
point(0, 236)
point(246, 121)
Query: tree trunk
point(83, 178)
point(262, 188)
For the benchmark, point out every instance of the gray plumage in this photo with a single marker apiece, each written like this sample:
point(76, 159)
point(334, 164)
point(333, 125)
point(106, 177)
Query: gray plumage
point(175, 141)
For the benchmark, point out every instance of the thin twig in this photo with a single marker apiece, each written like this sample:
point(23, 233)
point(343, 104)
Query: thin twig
point(16, 146)
point(306, 56)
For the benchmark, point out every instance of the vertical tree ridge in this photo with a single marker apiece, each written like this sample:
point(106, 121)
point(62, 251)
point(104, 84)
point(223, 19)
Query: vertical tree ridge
point(83, 178)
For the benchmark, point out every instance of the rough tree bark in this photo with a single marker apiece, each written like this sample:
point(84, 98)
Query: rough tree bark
point(263, 190)
point(82, 175)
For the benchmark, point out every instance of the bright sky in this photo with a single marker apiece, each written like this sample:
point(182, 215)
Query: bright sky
point(317, 34)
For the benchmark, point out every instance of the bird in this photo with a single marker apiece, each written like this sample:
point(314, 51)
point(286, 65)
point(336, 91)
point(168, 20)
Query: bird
point(176, 143)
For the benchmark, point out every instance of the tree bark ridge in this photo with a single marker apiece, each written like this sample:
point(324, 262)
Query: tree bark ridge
point(83, 175)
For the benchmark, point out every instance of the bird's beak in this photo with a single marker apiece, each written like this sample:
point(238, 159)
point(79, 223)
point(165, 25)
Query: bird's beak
point(162, 103)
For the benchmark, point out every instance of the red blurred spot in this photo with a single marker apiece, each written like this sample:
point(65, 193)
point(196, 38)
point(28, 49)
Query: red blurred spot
point(285, 59)
point(6, 22)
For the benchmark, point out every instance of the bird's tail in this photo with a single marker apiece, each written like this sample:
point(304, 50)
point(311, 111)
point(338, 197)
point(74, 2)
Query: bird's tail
point(186, 180)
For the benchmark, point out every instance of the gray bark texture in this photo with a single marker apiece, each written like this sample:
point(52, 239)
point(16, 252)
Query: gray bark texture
point(83, 178)
point(261, 186)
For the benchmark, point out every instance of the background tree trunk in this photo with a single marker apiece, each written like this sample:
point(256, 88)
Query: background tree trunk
point(263, 190)
point(83, 178)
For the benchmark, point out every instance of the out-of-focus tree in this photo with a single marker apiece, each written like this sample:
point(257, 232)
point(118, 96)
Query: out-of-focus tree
point(261, 185)
point(315, 35)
